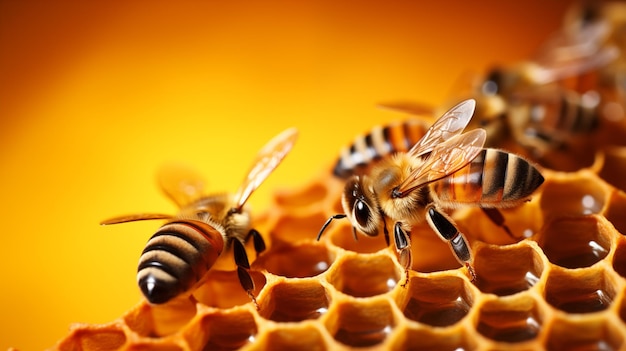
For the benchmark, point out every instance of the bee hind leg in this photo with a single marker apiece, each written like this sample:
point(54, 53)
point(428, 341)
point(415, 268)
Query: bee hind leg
point(445, 227)
point(498, 219)
point(243, 267)
point(403, 249)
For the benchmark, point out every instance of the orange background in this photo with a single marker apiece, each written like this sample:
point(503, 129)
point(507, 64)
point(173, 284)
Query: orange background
point(96, 96)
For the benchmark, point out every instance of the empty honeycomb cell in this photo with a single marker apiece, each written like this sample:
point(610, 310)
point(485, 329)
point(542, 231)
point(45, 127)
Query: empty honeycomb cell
point(295, 301)
point(226, 329)
point(156, 345)
point(616, 210)
point(576, 242)
point(222, 289)
point(511, 320)
point(581, 335)
point(438, 339)
point(430, 253)
point(293, 228)
point(580, 291)
point(170, 317)
point(139, 319)
point(573, 195)
point(297, 261)
point(619, 259)
point(361, 323)
point(100, 338)
point(293, 337)
point(310, 194)
point(439, 301)
point(506, 270)
point(365, 275)
point(614, 167)
point(340, 234)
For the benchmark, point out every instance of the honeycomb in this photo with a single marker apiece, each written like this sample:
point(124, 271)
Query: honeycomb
point(560, 285)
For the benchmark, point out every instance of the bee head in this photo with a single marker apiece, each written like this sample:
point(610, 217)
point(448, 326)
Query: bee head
point(361, 205)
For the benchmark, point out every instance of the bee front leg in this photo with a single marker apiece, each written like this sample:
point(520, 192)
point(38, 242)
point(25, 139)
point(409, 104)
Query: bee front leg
point(243, 267)
point(403, 249)
point(257, 239)
point(445, 227)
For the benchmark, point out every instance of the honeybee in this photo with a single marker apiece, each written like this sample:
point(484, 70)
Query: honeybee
point(178, 256)
point(445, 169)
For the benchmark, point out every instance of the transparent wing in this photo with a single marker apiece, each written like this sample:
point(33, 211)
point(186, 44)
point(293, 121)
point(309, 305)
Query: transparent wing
point(413, 108)
point(181, 183)
point(135, 217)
point(447, 126)
point(445, 159)
point(266, 161)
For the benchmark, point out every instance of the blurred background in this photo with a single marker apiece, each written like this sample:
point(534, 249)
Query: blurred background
point(95, 96)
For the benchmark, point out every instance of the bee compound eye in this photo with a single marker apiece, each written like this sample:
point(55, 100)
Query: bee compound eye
point(362, 213)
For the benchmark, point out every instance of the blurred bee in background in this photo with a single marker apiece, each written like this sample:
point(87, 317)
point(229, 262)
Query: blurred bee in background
point(556, 108)
point(178, 256)
point(445, 169)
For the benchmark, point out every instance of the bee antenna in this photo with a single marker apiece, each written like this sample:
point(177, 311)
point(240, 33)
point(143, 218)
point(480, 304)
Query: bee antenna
point(337, 216)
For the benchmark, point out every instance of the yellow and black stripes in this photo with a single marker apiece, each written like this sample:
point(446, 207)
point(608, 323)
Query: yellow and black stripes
point(380, 142)
point(175, 258)
point(494, 178)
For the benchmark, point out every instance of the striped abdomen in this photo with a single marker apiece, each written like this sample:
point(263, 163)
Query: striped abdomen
point(566, 113)
point(176, 258)
point(494, 178)
point(378, 143)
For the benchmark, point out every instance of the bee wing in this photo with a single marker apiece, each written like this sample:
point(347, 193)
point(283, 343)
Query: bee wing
point(447, 126)
point(135, 217)
point(445, 159)
point(573, 51)
point(266, 161)
point(182, 184)
point(413, 108)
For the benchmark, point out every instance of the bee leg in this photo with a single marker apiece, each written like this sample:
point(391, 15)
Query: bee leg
point(337, 216)
point(403, 249)
point(444, 226)
point(257, 239)
point(243, 266)
point(498, 219)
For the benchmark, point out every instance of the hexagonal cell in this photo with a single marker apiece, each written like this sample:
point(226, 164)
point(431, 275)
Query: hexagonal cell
point(139, 319)
point(226, 330)
point(294, 337)
point(306, 259)
point(576, 194)
point(576, 242)
point(342, 235)
point(619, 259)
point(434, 339)
point(439, 301)
point(222, 289)
point(580, 291)
point(364, 275)
point(292, 227)
point(513, 321)
point(170, 317)
point(294, 301)
point(108, 337)
point(361, 323)
point(429, 252)
point(506, 270)
point(614, 167)
point(616, 209)
point(312, 193)
point(571, 335)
